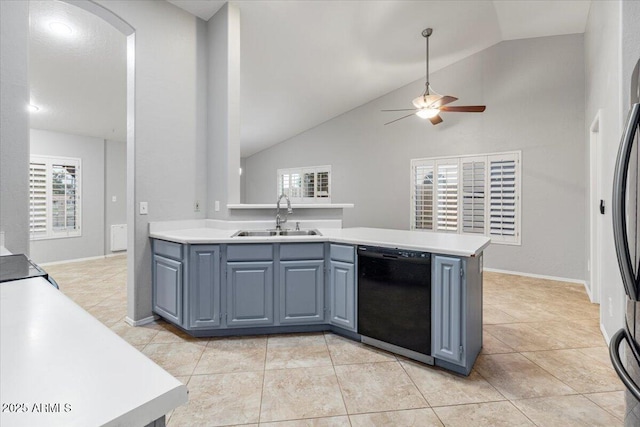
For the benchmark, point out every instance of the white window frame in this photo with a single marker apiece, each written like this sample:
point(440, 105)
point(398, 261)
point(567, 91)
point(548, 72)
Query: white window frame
point(49, 232)
point(433, 163)
point(296, 193)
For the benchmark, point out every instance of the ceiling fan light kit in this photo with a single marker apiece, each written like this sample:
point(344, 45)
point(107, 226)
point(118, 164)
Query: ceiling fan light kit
point(428, 105)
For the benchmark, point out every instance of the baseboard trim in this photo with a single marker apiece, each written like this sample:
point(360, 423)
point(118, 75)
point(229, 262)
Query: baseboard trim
point(91, 258)
point(141, 322)
point(537, 276)
point(115, 254)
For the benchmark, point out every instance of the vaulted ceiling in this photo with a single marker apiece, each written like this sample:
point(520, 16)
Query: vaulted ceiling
point(302, 62)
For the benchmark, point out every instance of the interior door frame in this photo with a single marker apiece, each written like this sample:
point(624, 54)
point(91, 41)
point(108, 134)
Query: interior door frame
point(593, 285)
point(130, 33)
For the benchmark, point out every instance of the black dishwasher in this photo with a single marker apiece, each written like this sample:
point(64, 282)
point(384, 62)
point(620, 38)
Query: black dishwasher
point(394, 299)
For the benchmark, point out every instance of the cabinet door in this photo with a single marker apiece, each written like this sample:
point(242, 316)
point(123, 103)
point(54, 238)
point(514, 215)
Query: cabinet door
point(249, 293)
point(301, 291)
point(204, 286)
point(342, 290)
point(447, 309)
point(167, 288)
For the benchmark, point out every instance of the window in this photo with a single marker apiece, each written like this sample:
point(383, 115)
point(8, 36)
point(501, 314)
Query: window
point(54, 197)
point(468, 195)
point(306, 185)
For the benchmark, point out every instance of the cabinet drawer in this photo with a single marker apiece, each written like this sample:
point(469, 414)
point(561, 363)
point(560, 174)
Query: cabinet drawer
point(343, 253)
point(289, 251)
point(259, 252)
point(167, 249)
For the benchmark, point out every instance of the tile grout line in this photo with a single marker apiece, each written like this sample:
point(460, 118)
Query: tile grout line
point(333, 366)
point(264, 377)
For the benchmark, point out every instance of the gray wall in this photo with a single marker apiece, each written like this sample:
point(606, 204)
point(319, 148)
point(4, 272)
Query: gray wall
point(169, 153)
point(14, 125)
point(534, 92)
point(115, 184)
point(223, 36)
point(91, 152)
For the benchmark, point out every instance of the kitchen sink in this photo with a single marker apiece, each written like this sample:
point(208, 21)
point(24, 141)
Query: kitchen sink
point(252, 233)
point(273, 233)
point(300, 233)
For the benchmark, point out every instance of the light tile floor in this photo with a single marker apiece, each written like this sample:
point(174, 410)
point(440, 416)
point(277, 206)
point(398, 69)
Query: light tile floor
point(544, 363)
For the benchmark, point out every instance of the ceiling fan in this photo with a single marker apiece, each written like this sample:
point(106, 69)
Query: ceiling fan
point(430, 103)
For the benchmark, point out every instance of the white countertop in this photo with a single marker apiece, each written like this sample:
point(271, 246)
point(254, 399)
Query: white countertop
point(54, 352)
point(441, 243)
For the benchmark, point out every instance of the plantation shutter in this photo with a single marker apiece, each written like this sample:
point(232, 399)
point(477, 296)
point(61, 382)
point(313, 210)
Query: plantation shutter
point(283, 184)
point(37, 197)
point(322, 184)
point(54, 197)
point(305, 185)
point(447, 195)
point(64, 209)
point(504, 198)
point(423, 187)
point(309, 185)
point(473, 194)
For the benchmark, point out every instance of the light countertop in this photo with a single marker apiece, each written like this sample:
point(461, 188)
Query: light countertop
point(53, 352)
point(441, 243)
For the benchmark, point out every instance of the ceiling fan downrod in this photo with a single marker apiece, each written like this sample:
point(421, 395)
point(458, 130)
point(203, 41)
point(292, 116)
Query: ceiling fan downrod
point(426, 33)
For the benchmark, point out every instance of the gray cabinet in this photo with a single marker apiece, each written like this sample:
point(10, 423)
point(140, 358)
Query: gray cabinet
point(203, 292)
point(447, 309)
point(167, 289)
point(301, 292)
point(342, 287)
point(249, 293)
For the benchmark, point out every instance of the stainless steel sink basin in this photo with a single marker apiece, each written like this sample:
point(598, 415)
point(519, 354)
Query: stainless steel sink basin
point(253, 233)
point(300, 233)
point(273, 233)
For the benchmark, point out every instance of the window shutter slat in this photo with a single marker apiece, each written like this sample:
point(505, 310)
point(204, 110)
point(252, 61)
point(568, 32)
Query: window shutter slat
point(447, 197)
point(423, 196)
point(473, 195)
point(503, 198)
point(37, 198)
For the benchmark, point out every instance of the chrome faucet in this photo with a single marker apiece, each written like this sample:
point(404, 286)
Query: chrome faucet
point(279, 219)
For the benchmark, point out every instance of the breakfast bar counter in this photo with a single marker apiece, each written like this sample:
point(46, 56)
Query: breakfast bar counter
point(61, 367)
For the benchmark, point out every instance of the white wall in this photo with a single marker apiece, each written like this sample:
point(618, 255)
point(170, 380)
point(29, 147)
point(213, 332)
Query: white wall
point(115, 185)
point(534, 92)
point(91, 152)
point(603, 93)
point(14, 125)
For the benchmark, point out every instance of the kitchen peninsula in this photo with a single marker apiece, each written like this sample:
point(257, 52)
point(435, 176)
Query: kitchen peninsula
point(210, 281)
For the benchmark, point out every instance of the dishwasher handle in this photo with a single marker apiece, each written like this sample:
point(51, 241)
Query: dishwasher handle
point(396, 255)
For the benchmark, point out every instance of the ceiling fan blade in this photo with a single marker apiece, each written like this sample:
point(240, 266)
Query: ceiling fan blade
point(465, 109)
point(403, 109)
point(403, 117)
point(435, 120)
point(442, 101)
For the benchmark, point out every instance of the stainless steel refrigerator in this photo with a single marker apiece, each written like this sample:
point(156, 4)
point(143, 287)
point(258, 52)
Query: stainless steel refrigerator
point(624, 347)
